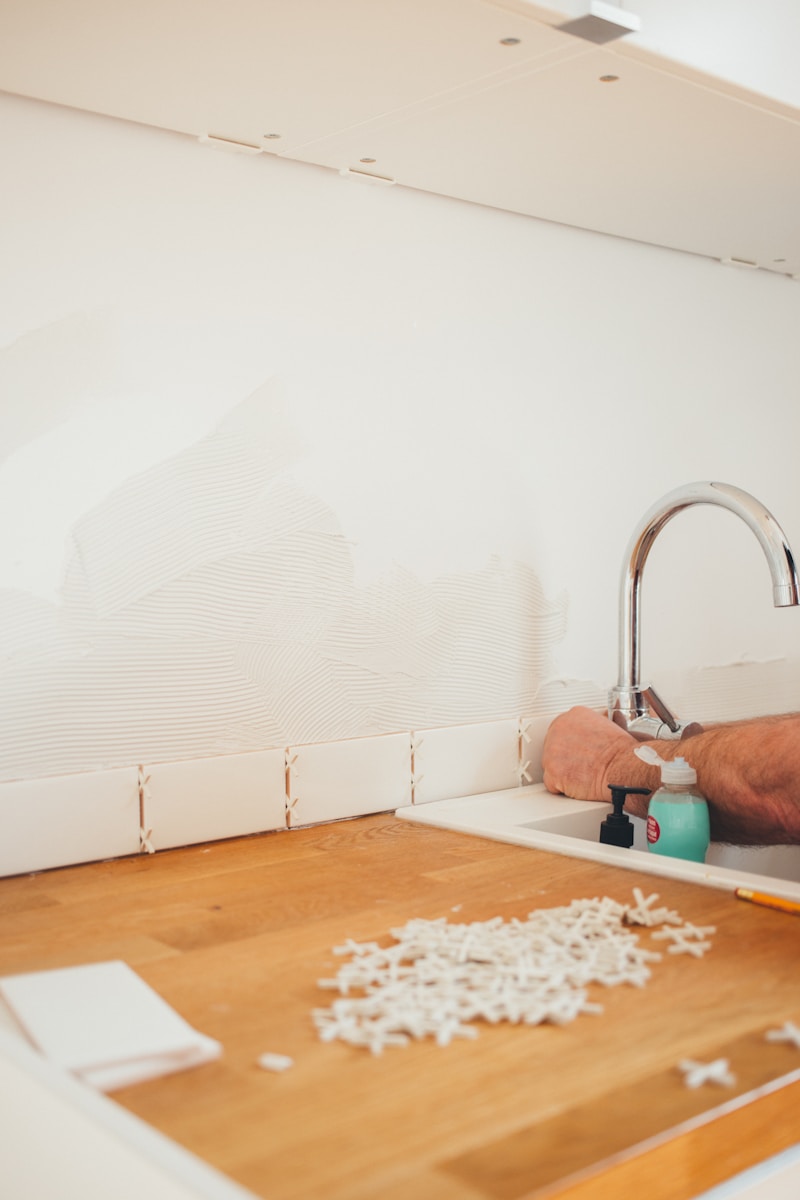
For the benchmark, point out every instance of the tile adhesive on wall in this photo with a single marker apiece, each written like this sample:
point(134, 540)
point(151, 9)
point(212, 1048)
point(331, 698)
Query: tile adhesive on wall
point(209, 606)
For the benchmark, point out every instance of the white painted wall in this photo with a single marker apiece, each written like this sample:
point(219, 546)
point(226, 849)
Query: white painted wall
point(289, 458)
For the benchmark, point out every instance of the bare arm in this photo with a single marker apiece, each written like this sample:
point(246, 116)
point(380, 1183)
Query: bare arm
point(749, 772)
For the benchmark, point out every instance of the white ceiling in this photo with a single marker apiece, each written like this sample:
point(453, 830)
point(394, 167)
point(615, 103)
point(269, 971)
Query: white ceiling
point(427, 92)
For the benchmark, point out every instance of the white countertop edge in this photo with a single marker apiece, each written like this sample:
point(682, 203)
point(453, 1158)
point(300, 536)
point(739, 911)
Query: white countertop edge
point(78, 1133)
point(777, 1178)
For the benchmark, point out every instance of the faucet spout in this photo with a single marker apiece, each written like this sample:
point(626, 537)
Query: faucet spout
point(636, 706)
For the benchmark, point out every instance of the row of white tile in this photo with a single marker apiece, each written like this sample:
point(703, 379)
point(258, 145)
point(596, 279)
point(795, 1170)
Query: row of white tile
point(58, 821)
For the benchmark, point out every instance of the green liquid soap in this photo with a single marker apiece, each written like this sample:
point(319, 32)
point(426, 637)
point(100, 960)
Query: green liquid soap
point(678, 827)
point(677, 816)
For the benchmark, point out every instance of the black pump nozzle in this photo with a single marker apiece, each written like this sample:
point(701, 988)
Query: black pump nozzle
point(617, 830)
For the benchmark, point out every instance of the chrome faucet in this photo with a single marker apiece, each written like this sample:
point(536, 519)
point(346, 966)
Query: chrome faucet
point(635, 706)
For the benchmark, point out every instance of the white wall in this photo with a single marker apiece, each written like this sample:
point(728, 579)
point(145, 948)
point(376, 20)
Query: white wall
point(289, 458)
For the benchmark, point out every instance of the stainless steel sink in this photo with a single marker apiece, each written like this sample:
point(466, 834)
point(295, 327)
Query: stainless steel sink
point(532, 816)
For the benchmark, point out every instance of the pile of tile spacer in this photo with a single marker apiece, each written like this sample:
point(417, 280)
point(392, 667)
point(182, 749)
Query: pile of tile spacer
point(437, 978)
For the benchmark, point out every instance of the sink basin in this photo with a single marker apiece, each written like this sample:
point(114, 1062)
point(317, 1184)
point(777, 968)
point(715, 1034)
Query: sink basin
point(532, 816)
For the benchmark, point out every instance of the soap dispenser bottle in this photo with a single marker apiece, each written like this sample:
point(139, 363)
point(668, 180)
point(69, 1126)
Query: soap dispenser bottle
point(677, 816)
point(616, 829)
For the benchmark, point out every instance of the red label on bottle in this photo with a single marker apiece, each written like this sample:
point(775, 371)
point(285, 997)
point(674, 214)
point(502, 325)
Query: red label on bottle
point(653, 830)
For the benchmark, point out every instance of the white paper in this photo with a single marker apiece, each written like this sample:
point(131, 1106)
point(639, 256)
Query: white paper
point(103, 1022)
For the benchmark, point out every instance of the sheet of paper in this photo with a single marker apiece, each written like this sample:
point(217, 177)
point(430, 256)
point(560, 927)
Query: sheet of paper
point(103, 1022)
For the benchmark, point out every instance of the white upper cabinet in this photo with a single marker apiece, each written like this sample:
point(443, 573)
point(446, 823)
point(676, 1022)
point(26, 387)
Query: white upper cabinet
point(487, 101)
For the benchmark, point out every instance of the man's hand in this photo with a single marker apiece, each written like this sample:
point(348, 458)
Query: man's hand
point(579, 750)
point(748, 771)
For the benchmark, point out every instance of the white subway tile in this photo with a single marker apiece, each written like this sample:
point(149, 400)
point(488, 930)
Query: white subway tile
point(58, 821)
point(206, 799)
point(464, 760)
point(331, 780)
point(61, 820)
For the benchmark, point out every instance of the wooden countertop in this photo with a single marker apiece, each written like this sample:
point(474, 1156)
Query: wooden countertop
point(235, 935)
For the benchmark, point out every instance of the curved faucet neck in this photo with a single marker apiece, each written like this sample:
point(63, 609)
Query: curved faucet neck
point(785, 583)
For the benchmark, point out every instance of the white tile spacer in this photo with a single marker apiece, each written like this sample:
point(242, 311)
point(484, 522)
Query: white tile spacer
point(642, 913)
point(145, 844)
point(274, 1062)
point(700, 932)
point(683, 939)
point(416, 776)
point(523, 772)
point(696, 949)
point(696, 1074)
point(788, 1032)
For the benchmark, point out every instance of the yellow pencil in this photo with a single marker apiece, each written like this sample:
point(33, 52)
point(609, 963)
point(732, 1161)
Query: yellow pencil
point(788, 906)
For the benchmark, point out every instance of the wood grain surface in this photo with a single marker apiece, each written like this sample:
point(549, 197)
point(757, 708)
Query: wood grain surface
point(235, 935)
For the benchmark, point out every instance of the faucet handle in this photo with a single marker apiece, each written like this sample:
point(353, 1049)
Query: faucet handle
point(643, 713)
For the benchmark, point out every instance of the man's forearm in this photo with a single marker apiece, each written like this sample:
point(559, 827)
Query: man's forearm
point(749, 772)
